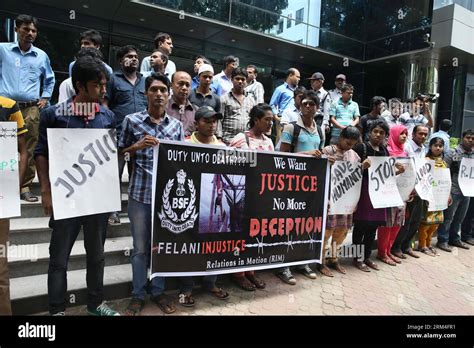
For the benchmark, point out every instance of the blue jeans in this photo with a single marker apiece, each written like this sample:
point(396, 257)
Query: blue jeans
point(63, 238)
point(448, 231)
point(187, 283)
point(140, 221)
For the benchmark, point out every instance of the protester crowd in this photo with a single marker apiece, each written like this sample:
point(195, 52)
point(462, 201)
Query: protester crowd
point(153, 101)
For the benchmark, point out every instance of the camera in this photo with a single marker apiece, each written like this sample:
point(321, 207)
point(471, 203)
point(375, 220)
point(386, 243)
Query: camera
point(432, 98)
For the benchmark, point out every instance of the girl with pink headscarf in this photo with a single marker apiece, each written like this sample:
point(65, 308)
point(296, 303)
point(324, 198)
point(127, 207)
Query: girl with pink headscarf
point(387, 234)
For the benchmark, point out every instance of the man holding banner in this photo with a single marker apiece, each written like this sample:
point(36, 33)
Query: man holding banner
point(9, 111)
point(140, 133)
point(448, 232)
point(89, 79)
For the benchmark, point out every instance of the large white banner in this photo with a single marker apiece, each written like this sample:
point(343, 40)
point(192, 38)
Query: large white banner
point(424, 179)
point(83, 170)
point(466, 177)
point(406, 180)
point(346, 183)
point(441, 188)
point(9, 174)
point(383, 190)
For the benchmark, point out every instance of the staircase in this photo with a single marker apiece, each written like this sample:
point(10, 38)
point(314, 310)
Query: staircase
point(29, 239)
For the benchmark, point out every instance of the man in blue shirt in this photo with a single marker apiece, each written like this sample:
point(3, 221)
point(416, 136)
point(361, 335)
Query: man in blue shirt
point(283, 95)
point(23, 68)
point(125, 95)
point(224, 78)
point(89, 79)
point(444, 127)
point(142, 131)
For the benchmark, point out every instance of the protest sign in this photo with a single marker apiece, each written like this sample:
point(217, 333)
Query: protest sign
point(441, 188)
point(9, 173)
point(424, 179)
point(406, 180)
point(466, 177)
point(346, 182)
point(83, 170)
point(383, 190)
point(215, 211)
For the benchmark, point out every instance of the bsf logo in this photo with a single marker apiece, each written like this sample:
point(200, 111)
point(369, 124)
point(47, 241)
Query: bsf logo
point(180, 214)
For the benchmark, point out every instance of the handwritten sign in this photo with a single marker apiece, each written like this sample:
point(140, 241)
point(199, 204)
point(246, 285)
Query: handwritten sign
point(9, 173)
point(83, 170)
point(406, 180)
point(346, 183)
point(466, 177)
point(424, 179)
point(383, 190)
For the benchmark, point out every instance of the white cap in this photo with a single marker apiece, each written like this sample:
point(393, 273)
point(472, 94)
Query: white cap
point(205, 67)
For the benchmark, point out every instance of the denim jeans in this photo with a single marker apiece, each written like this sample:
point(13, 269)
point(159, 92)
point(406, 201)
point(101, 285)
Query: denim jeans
point(467, 227)
point(448, 231)
point(140, 221)
point(63, 238)
point(187, 283)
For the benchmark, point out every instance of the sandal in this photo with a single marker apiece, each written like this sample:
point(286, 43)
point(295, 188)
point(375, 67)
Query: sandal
point(394, 258)
point(244, 283)
point(387, 260)
point(399, 254)
point(165, 303)
point(360, 265)
point(336, 265)
point(427, 251)
point(135, 307)
point(186, 300)
point(259, 284)
point(434, 251)
point(325, 270)
point(220, 293)
point(114, 219)
point(371, 264)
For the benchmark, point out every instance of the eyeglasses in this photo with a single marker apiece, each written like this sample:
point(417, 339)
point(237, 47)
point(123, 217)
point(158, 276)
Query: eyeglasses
point(308, 103)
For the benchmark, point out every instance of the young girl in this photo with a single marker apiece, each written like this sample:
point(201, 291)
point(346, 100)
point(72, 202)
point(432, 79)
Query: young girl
point(338, 225)
point(387, 234)
point(431, 220)
point(261, 121)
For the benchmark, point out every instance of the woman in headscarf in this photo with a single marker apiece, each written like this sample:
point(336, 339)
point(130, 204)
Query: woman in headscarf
point(387, 234)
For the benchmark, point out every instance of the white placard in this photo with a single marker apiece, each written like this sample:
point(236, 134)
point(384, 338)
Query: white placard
point(83, 170)
point(406, 180)
point(346, 183)
point(441, 189)
point(466, 177)
point(9, 172)
point(424, 179)
point(383, 190)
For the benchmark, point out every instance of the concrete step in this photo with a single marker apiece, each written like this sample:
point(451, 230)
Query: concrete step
point(36, 230)
point(35, 209)
point(33, 259)
point(30, 294)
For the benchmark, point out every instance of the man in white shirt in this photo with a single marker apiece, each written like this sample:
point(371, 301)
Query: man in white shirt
point(336, 93)
point(419, 114)
point(444, 127)
point(254, 87)
point(164, 43)
point(317, 81)
point(415, 147)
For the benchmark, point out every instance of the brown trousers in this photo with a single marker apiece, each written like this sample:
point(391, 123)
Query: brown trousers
point(31, 115)
point(5, 306)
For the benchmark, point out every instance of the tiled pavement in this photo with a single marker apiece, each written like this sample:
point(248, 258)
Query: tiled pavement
point(425, 286)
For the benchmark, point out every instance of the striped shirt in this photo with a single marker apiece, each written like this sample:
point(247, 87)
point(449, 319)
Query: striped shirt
point(344, 114)
point(9, 111)
point(255, 89)
point(135, 127)
point(236, 115)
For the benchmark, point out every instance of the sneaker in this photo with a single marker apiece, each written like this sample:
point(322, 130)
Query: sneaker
point(307, 272)
point(29, 197)
point(114, 219)
point(58, 314)
point(287, 277)
point(103, 311)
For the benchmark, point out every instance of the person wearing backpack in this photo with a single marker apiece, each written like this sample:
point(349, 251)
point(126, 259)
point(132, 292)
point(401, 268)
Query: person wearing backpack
point(303, 136)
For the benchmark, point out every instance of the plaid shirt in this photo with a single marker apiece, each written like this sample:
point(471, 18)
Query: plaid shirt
point(136, 126)
point(255, 89)
point(236, 115)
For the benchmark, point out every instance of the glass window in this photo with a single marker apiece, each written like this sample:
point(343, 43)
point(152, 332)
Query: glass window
point(280, 26)
point(288, 21)
point(299, 16)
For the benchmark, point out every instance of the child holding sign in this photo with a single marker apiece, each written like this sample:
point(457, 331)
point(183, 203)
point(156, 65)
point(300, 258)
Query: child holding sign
point(431, 220)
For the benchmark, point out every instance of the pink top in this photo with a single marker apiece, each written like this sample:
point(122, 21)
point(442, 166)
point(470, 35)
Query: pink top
point(240, 142)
